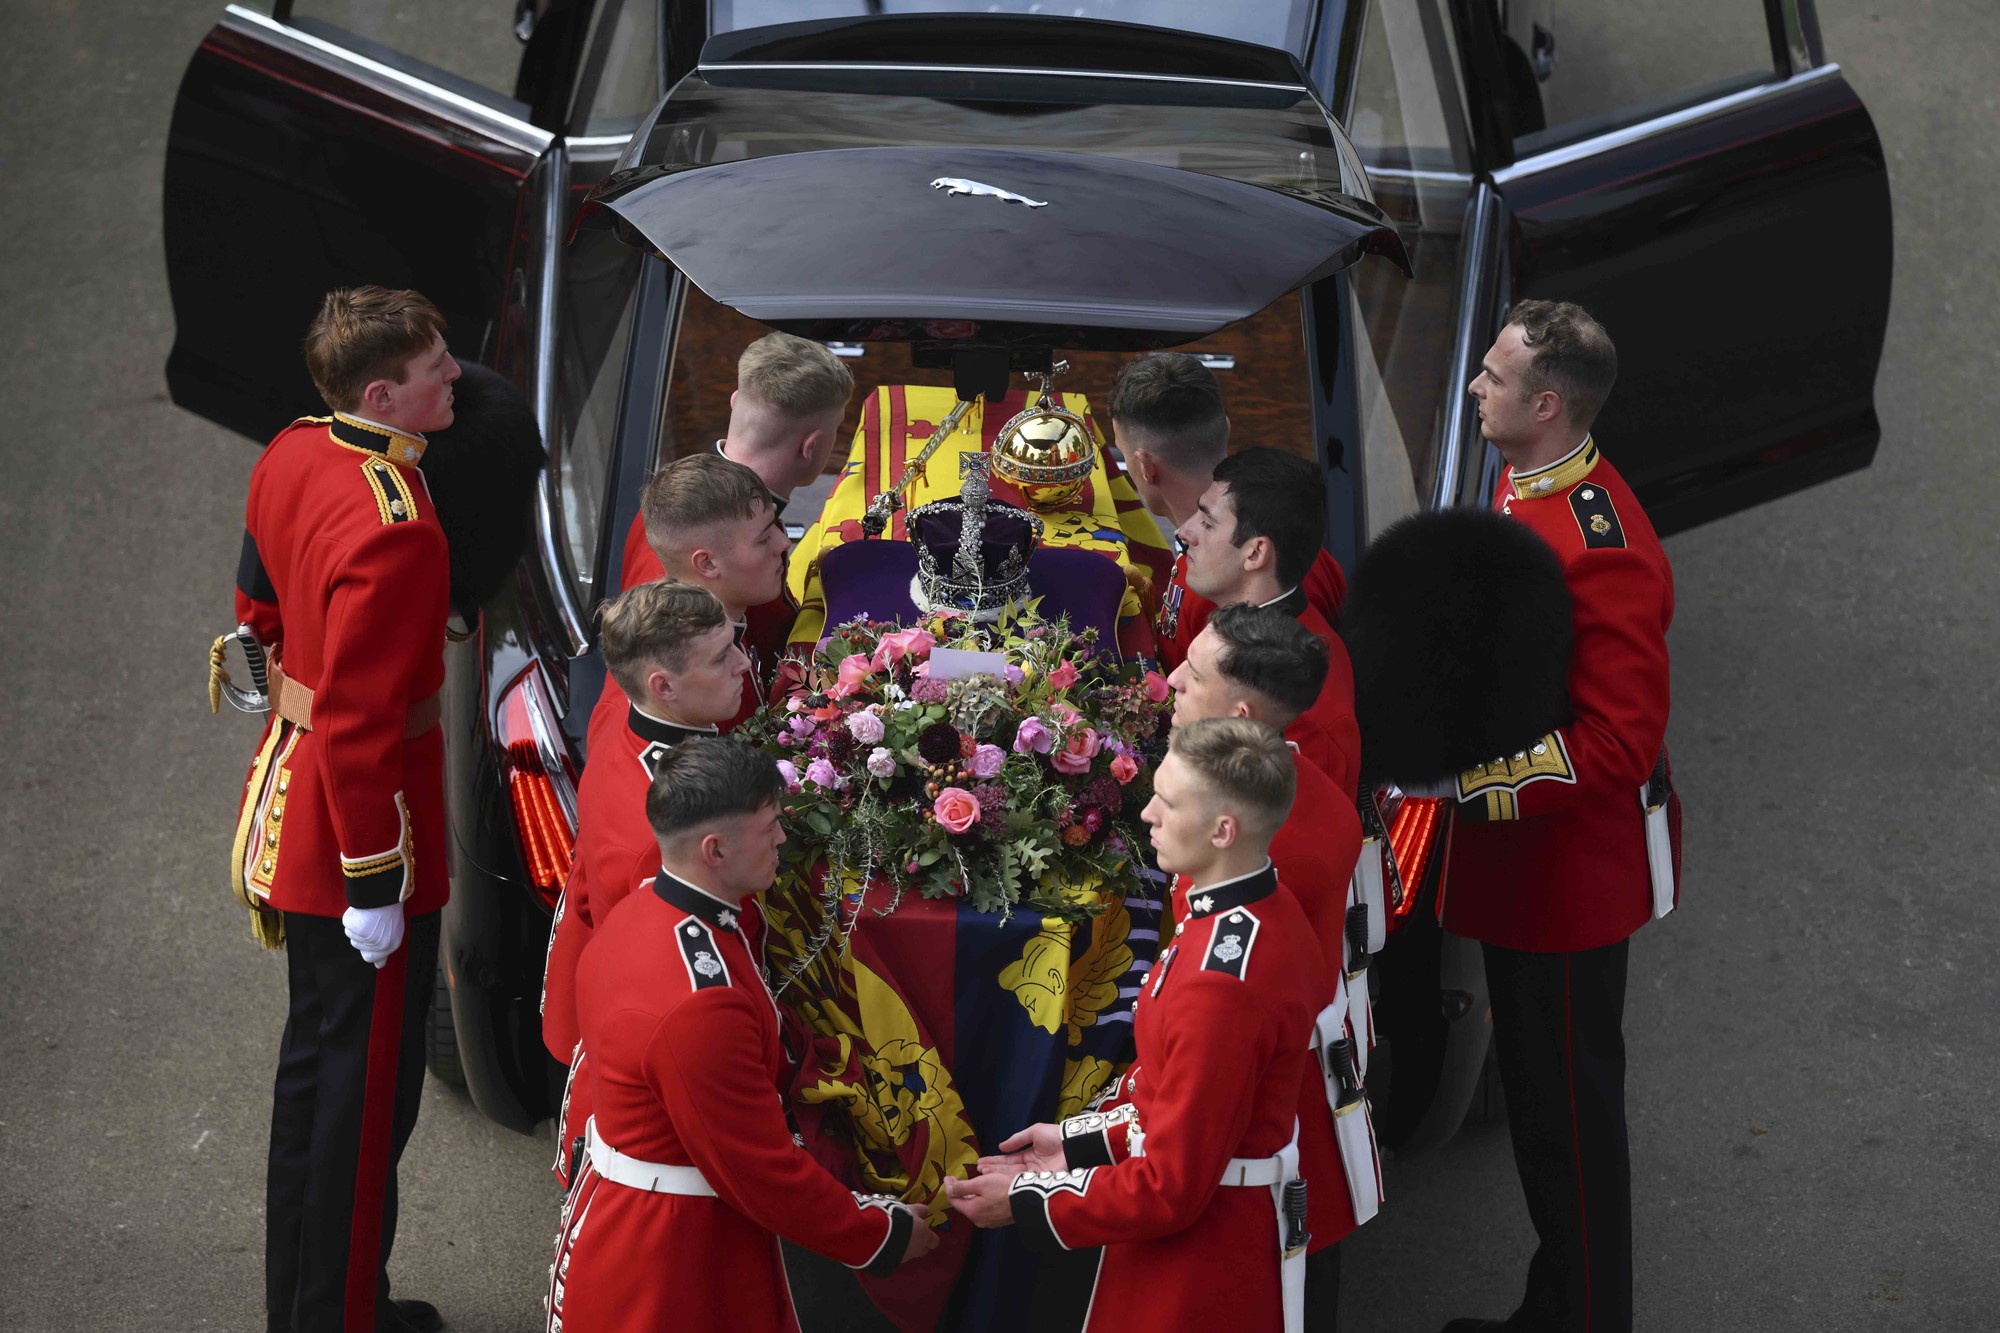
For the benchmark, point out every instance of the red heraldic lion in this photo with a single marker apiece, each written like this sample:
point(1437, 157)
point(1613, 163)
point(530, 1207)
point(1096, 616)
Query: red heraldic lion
point(1548, 850)
point(348, 811)
point(1222, 1025)
point(692, 1173)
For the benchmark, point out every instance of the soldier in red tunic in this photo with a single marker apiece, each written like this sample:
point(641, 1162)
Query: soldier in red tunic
point(1548, 859)
point(1167, 420)
point(692, 1172)
point(784, 420)
point(1259, 663)
point(1189, 1175)
point(340, 845)
point(670, 649)
point(1253, 538)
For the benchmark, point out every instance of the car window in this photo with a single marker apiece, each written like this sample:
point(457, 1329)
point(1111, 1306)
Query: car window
point(600, 286)
point(623, 75)
point(1283, 24)
point(473, 52)
point(1407, 121)
point(1585, 67)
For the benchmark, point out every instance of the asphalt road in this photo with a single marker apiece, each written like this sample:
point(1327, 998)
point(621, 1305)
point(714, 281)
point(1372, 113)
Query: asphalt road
point(1812, 1067)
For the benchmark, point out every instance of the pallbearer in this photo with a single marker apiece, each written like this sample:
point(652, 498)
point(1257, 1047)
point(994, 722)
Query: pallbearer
point(670, 650)
point(1188, 1176)
point(1256, 662)
point(1254, 537)
point(340, 846)
point(692, 1173)
point(1168, 421)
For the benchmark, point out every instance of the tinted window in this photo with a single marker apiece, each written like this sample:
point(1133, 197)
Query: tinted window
point(1584, 67)
point(473, 51)
point(600, 286)
point(1279, 23)
point(622, 75)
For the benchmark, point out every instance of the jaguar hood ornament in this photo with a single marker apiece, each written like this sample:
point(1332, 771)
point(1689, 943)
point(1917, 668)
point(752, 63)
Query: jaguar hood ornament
point(960, 185)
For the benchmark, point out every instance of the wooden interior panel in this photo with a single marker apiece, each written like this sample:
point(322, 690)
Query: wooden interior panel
point(1267, 394)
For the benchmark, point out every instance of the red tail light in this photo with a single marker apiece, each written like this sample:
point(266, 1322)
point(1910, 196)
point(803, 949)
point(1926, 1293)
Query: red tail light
point(541, 782)
point(1413, 831)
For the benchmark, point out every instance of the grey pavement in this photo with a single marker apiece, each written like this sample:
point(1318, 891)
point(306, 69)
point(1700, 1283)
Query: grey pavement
point(1812, 1052)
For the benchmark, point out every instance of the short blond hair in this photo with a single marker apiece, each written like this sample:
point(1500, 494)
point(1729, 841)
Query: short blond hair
point(794, 376)
point(654, 624)
point(692, 494)
point(1244, 765)
point(364, 334)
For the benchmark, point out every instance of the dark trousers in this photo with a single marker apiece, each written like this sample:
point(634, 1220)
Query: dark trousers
point(1558, 1030)
point(316, 1116)
point(1323, 1288)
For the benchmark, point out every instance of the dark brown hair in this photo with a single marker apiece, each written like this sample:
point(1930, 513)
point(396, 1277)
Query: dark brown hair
point(363, 334)
point(708, 778)
point(1280, 496)
point(697, 492)
point(1263, 649)
point(1570, 355)
point(1175, 404)
point(654, 623)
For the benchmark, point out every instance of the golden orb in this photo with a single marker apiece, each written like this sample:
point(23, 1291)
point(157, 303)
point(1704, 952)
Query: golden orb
point(1046, 453)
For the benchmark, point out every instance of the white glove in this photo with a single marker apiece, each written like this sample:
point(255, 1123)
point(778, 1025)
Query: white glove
point(376, 932)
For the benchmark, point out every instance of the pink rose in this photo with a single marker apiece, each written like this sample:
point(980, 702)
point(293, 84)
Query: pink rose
point(865, 727)
point(1077, 751)
point(854, 673)
point(881, 762)
point(957, 809)
point(1124, 768)
point(1066, 715)
point(789, 771)
point(915, 642)
point(986, 761)
point(1033, 737)
point(823, 774)
point(1063, 676)
point(1157, 688)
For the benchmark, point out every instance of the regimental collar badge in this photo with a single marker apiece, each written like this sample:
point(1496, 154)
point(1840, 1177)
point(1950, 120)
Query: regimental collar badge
point(679, 893)
point(1558, 476)
point(660, 736)
point(1233, 893)
point(366, 435)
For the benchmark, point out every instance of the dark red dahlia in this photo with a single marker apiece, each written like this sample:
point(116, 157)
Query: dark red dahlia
point(939, 743)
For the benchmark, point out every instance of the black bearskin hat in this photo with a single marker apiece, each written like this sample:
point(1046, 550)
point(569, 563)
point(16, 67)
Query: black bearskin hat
point(1458, 624)
point(482, 471)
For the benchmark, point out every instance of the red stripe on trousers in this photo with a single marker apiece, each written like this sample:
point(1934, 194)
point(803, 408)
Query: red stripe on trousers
point(1576, 1140)
point(371, 1162)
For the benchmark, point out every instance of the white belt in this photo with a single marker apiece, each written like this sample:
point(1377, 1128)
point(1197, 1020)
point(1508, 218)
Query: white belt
point(1254, 1171)
point(1274, 1172)
point(654, 1177)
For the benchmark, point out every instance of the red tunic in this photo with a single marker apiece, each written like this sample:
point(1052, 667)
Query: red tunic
point(345, 579)
point(1314, 853)
point(1327, 733)
point(1548, 849)
point(685, 1068)
point(615, 849)
point(1221, 1026)
point(1183, 612)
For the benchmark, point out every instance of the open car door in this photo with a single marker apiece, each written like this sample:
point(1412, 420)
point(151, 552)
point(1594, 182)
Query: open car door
point(303, 158)
point(1083, 185)
point(1724, 210)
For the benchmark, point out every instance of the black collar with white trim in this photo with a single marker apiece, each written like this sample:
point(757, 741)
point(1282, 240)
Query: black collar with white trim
point(1292, 603)
point(697, 903)
point(1233, 893)
point(660, 735)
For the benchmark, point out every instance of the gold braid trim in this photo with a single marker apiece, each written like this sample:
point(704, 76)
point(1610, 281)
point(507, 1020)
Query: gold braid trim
point(267, 925)
point(218, 672)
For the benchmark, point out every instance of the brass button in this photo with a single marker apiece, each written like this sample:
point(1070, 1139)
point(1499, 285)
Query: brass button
point(269, 865)
point(277, 812)
point(284, 785)
point(271, 840)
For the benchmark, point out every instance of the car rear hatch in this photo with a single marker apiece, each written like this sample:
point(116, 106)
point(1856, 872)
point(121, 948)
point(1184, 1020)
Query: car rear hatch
point(995, 180)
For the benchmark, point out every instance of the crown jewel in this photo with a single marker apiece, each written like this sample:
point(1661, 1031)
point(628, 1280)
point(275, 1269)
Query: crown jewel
point(1045, 451)
point(972, 551)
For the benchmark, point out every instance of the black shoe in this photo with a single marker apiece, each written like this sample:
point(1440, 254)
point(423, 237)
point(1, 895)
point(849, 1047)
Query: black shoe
point(411, 1317)
point(1476, 1326)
